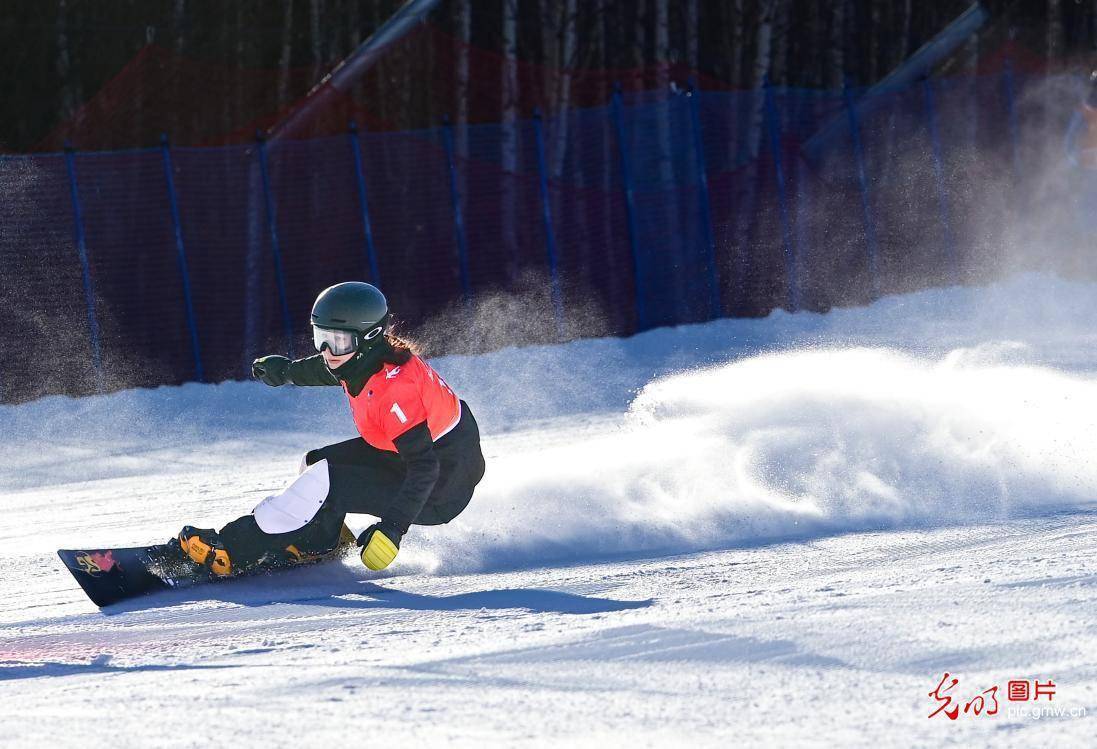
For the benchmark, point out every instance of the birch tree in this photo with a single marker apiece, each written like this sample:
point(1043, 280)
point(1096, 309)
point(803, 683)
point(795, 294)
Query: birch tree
point(69, 96)
point(178, 19)
point(836, 58)
point(781, 45)
point(569, 43)
point(1093, 24)
point(662, 85)
point(763, 38)
point(738, 26)
point(662, 44)
point(876, 27)
point(315, 11)
point(285, 54)
point(178, 22)
point(693, 35)
point(510, 84)
point(904, 30)
point(463, 9)
point(1054, 37)
point(509, 143)
point(550, 49)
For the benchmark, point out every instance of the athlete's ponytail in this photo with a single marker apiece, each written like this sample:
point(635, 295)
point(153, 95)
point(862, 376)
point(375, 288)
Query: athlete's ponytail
point(402, 349)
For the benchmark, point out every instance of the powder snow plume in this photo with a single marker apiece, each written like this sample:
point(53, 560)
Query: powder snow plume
point(803, 443)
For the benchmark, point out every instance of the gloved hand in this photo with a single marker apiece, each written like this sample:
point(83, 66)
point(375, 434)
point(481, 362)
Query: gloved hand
point(271, 370)
point(380, 544)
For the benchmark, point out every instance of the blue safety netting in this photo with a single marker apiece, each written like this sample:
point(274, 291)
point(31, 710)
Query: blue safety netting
point(168, 265)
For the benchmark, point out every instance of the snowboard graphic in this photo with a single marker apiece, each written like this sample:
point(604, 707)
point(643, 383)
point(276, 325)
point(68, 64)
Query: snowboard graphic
point(112, 575)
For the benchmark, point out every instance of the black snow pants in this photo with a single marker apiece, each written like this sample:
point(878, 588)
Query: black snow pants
point(364, 480)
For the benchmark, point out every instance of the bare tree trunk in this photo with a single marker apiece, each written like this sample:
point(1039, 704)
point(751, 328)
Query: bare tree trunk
point(569, 47)
point(759, 71)
point(315, 12)
point(662, 84)
point(597, 230)
point(224, 35)
point(380, 105)
point(738, 23)
point(178, 20)
point(405, 78)
point(746, 207)
point(874, 34)
point(1054, 31)
point(693, 35)
point(510, 84)
point(464, 39)
point(69, 100)
point(904, 30)
point(238, 99)
point(510, 128)
point(672, 204)
point(550, 50)
point(286, 54)
point(255, 302)
point(1093, 24)
point(334, 50)
point(836, 62)
point(662, 44)
point(355, 26)
point(820, 47)
point(779, 75)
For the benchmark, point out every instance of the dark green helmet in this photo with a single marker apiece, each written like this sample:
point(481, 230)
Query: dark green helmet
point(349, 316)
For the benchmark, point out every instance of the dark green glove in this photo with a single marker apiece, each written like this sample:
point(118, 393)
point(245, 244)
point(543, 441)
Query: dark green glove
point(271, 370)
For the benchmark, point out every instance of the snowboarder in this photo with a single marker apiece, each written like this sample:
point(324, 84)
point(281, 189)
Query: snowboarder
point(417, 460)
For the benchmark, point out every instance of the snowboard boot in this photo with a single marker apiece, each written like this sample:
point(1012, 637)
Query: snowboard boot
point(204, 547)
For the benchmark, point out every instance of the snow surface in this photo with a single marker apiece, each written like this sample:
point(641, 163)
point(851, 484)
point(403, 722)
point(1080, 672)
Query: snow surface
point(781, 530)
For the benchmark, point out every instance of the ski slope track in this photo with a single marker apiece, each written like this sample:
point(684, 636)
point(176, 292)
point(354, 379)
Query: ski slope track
point(780, 531)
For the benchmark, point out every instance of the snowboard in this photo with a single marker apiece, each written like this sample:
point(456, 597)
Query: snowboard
point(112, 575)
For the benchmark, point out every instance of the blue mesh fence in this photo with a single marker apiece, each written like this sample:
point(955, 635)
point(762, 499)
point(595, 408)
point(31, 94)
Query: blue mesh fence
point(168, 265)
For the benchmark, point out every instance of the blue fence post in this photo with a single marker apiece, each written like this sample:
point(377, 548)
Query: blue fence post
point(630, 208)
point(871, 247)
point(181, 255)
point(458, 215)
point(705, 217)
point(268, 200)
point(546, 219)
point(1011, 112)
point(82, 252)
point(774, 128)
point(363, 203)
point(939, 172)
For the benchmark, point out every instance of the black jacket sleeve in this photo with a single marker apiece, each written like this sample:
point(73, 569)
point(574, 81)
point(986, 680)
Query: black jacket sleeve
point(416, 449)
point(311, 371)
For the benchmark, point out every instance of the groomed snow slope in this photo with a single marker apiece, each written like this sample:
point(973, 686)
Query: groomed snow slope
point(783, 530)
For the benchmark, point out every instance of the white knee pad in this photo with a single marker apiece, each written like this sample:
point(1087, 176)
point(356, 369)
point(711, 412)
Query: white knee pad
point(297, 504)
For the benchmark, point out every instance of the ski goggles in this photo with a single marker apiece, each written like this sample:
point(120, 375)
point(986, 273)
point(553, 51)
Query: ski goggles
point(342, 342)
